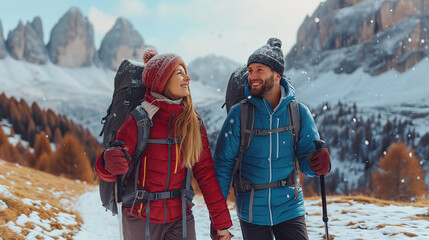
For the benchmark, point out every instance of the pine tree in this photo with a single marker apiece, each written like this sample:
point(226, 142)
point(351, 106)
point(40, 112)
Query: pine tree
point(41, 144)
point(400, 176)
point(70, 160)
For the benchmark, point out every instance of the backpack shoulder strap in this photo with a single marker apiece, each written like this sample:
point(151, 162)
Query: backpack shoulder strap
point(247, 119)
point(143, 129)
point(294, 120)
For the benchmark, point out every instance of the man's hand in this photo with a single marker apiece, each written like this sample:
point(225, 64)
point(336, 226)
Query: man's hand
point(321, 162)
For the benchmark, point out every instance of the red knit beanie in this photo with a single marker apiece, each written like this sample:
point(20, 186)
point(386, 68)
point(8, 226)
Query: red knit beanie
point(158, 69)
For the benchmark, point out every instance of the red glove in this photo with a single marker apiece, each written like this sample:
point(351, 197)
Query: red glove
point(321, 162)
point(116, 161)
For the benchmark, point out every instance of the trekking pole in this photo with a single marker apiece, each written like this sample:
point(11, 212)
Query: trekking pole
point(319, 145)
point(119, 204)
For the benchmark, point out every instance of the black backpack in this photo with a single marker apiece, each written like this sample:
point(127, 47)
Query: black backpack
point(128, 93)
point(235, 95)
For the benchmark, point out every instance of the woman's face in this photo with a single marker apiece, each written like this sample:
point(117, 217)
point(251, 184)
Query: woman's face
point(178, 84)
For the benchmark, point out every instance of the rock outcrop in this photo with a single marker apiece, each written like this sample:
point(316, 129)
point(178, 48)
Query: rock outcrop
point(25, 42)
point(34, 48)
point(71, 41)
point(121, 42)
point(3, 52)
point(378, 35)
point(15, 42)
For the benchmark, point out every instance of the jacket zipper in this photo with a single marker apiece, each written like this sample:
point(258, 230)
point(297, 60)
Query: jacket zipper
point(278, 121)
point(269, 161)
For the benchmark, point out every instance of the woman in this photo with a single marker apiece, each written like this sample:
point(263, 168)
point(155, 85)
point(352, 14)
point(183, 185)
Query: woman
point(163, 167)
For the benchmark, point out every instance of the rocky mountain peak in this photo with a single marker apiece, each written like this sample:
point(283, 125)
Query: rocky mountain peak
point(121, 42)
point(15, 42)
point(72, 40)
point(3, 52)
point(37, 27)
point(25, 42)
point(34, 48)
point(377, 35)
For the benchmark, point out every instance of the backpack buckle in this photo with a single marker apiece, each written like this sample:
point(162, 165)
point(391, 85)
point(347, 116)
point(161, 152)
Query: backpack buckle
point(283, 183)
point(154, 196)
point(170, 140)
point(140, 194)
point(144, 122)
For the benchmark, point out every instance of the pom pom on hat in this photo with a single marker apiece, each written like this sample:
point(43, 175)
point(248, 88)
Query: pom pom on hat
point(148, 54)
point(274, 42)
point(270, 55)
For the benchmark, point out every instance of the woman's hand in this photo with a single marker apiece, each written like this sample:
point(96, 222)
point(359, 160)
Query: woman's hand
point(224, 235)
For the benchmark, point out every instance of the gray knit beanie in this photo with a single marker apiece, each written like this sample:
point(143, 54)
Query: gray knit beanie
point(270, 55)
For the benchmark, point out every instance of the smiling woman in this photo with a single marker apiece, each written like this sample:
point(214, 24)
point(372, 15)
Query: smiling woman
point(176, 146)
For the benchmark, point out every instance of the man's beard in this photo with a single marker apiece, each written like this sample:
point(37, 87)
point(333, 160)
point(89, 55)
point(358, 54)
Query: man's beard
point(268, 84)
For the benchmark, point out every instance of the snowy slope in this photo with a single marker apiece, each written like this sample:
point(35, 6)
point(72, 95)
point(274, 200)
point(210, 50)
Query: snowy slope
point(404, 95)
point(348, 219)
point(82, 94)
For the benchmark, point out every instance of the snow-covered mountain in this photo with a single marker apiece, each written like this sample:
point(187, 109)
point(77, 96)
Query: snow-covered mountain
point(376, 35)
point(213, 70)
point(372, 53)
point(84, 93)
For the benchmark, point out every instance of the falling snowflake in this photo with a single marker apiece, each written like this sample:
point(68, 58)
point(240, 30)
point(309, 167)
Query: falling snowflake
point(402, 180)
point(354, 120)
point(231, 120)
point(317, 20)
point(410, 154)
point(325, 108)
point(366, 142)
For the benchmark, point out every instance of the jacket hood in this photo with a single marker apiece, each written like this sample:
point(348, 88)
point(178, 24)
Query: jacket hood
point(258, 102)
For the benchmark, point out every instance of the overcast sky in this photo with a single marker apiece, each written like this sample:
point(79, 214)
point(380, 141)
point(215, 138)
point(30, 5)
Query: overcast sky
point(190, 28)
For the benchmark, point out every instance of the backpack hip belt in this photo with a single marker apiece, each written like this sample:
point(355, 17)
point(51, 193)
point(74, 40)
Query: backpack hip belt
point(247, 185)
point(142, 196)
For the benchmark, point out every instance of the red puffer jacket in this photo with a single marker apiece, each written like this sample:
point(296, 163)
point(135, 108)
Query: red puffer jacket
point(153, 175)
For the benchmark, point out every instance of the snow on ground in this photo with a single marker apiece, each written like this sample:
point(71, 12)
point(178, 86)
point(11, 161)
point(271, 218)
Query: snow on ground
point(347, 220)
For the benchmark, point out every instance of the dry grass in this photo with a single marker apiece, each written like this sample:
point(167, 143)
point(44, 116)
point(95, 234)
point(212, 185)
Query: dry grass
point(394, 225)
point(405, 233)
point(368, 200)
point(54, 195)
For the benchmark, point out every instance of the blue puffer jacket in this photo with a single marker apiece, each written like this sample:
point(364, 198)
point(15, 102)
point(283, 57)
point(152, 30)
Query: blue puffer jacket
point(269, 158)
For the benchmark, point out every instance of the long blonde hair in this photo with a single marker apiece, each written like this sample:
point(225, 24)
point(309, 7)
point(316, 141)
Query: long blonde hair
point(187, 127)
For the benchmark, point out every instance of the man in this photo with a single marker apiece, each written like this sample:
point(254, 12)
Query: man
point(271, 207)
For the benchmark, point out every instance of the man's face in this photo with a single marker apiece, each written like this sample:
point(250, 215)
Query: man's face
point(261, 79)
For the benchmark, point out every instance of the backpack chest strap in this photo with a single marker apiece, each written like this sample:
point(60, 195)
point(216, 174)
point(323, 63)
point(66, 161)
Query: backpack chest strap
point(169, 140)
point(268, 131)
